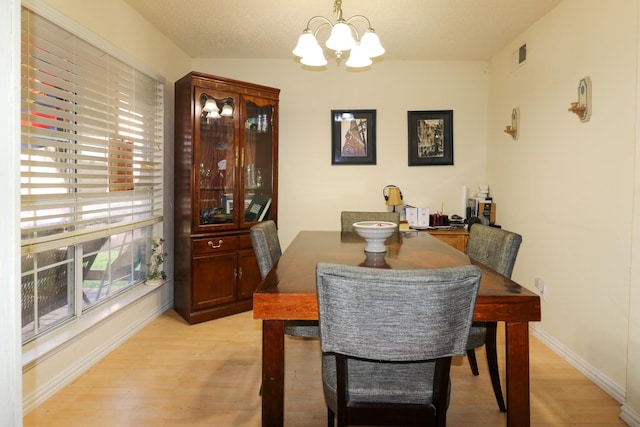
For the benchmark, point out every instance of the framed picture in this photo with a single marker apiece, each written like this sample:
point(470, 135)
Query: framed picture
point(353, 137)
point(430, 138)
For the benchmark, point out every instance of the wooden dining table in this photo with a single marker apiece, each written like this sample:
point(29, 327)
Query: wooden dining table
point(288, 292)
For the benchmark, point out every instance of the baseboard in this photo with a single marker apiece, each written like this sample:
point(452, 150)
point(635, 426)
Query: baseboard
point(630, 416)
point(614, 390)
point(78, 364)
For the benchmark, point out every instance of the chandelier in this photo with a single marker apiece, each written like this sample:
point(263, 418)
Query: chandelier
point(340, 40)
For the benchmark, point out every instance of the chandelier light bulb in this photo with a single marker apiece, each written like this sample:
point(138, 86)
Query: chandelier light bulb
point(314, 57)
point(305, 42)
point(211, 106)
point(227, 110)
point(358, 58)
point(212, 116)
point(370, 42)
point(341, 38)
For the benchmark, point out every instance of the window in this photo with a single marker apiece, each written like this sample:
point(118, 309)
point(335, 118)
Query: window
point(91, 174)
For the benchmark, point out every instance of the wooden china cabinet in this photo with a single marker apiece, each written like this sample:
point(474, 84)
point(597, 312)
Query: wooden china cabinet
point(226, 180)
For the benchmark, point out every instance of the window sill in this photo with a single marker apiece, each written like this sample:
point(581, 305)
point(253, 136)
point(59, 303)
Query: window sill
point(48, 345)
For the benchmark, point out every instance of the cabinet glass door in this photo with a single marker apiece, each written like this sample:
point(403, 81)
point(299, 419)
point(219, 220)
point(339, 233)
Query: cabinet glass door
point(257, 174)
point(215, 154)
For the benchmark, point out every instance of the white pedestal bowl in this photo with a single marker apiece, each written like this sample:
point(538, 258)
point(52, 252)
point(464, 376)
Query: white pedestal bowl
point(375, 233)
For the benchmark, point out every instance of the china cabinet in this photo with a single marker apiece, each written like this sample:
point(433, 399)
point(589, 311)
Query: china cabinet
point(226, 180)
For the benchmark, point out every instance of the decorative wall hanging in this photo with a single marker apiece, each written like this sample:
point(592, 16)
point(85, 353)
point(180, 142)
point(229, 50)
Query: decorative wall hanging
point(582, 108)
point(353, 137)
point(430, 138)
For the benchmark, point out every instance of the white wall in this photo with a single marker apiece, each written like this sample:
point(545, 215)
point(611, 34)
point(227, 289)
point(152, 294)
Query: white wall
point(631, 408)
point(568, 187)
point(10, 381)
point(312, 192)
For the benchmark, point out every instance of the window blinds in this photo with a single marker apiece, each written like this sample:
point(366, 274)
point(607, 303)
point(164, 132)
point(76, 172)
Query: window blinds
point(91, 153)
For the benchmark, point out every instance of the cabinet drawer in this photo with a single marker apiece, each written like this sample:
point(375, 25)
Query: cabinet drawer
point(245, 242)
point(214, 244)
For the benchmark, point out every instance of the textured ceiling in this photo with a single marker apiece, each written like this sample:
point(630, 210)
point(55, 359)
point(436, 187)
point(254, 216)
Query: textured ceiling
point(408, 29)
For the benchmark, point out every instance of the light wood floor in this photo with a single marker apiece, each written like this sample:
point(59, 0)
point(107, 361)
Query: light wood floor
point(172, 374)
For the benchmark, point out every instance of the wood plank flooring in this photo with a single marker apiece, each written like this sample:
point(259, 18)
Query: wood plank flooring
point(173, 374)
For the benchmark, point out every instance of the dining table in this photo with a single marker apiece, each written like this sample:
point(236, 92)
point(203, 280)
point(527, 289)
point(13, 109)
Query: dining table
point(288, 292)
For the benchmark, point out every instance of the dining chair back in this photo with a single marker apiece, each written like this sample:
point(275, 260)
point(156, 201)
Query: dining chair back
point(497, 249)
point(375, 369)
point(266, 246)
point(494, 247)
point(347, 218)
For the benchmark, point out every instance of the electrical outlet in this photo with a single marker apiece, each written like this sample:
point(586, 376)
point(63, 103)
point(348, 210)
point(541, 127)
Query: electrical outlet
point(541, 287)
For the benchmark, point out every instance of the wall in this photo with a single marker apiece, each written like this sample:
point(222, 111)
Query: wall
point(631, 408)
point(568, 187)
point(10, 363)
point(312, 192)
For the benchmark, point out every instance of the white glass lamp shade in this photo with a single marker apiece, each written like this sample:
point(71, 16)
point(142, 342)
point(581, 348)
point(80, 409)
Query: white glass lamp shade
point(211, 106)
point(227, 110)
point(358, 58)
point(306, 41)
point(314, 57)
point(341, 38)
point(212, 115)
point(371, 44)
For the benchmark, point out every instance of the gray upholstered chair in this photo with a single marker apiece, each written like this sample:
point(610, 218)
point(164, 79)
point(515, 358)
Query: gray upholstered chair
point(349, 217)
point(497, 249)
point(266, 245)
point(375, 369)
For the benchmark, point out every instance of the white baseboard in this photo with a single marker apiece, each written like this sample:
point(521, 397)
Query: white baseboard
point(630, 416)
point(75, 364)
point(614, 390)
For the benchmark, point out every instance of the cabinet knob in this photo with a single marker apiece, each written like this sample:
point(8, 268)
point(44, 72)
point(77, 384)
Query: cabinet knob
point(212, 246)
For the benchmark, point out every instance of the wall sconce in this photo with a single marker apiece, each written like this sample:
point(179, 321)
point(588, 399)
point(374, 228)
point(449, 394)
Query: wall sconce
point(582, 108)
point(211, 107)
point(515, 124)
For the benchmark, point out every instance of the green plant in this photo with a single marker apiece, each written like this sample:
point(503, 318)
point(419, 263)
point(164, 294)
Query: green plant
point(158, 256)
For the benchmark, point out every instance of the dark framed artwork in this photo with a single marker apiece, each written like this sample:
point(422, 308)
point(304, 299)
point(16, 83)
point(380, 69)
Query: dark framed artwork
point(430, 138)
point(353, 137)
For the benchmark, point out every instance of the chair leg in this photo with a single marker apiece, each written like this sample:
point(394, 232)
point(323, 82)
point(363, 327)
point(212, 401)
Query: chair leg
point(473, 363)
point(492, 360)
point(330, 417)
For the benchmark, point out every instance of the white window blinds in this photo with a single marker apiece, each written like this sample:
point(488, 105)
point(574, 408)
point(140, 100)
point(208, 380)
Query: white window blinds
point(91, 155)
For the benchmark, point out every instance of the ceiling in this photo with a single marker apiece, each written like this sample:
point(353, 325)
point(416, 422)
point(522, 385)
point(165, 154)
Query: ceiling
point(408, 29)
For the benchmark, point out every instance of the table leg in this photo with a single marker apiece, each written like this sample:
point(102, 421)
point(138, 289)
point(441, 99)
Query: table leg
point(272, 373)
point(518, 393)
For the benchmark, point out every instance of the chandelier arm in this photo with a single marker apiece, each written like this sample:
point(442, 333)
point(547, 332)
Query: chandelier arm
point(317, 17)
point(355, 29)
point(348, 21)
point(317, 30)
